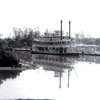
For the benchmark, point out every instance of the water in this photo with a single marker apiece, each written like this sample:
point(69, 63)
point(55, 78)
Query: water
point(53, 77)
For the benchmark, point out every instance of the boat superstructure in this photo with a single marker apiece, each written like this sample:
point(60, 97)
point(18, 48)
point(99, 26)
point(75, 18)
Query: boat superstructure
point(54, 43)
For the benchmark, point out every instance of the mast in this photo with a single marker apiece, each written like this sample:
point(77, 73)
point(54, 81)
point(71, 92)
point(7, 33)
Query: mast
point(61, 29)
point(69, 29)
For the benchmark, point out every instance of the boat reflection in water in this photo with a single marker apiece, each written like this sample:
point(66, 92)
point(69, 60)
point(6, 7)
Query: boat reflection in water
point(57, 64)
point(50, 76)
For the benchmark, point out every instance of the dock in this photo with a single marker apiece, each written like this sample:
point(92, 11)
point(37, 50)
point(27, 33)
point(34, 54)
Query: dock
point(22, 49)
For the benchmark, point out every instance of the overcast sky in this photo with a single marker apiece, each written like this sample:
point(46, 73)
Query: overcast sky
point(84, 15)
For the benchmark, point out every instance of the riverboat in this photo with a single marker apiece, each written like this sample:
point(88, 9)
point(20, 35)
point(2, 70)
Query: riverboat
point(54, 43)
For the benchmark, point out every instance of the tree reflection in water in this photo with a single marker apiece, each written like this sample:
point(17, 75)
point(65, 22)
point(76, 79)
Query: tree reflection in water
point(24, 55)
point(8, 74)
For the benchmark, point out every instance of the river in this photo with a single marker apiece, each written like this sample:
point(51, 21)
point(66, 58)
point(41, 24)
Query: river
point(53, 78)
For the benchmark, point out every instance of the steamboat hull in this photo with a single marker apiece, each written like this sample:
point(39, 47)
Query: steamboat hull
point(61, 54)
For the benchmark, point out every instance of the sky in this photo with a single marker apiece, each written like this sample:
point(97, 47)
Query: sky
point(46, 14)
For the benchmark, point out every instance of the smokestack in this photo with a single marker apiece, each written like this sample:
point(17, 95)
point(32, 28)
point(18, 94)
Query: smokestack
point(61, 29)
point(69, 29)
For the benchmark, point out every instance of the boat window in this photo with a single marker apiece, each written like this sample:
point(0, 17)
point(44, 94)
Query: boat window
point(51, 43)
point(64, 49)
point(51, 39)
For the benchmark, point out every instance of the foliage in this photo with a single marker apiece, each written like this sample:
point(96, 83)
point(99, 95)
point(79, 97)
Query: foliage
point(7, 58)
point(22, 38)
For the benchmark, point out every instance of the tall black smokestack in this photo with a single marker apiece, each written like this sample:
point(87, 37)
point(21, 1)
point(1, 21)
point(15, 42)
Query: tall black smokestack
point(69, 29)
point(61, 29)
